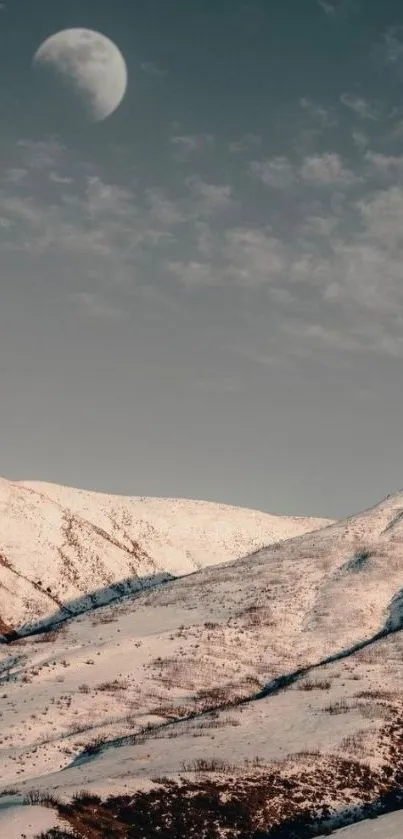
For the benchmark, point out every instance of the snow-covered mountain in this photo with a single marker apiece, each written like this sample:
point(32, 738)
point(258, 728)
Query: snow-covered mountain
point(254, 696)
point(59, 544)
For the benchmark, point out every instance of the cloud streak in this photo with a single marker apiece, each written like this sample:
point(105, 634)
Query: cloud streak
point(332, 267)
point(359, 106)
point(187, 145)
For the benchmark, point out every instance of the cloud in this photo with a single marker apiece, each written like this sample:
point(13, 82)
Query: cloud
point(329, 7)
point(16, 175)
point(360, 139)
point(93, 305)
point(55, 178)
point(329, 259)
point(205, 239)
point(92, 228)
point(108, 199)
point(333, 8)
point(21, 209)
point(187, 145)
point(393, 46)
point(382, 213)
point(384, 163)
point(162, 209)
point(201, 200)
point(319, 114)
point(312, 336)
point(319, 225)
point(107, 238)
point(360, 106)
point(388, 55)
point(252, 257)
point(326, 169)
point(360, 277)
point(151, 69)
point(245, 143)
point(208, 198)
point(244, 257)
point(42, 154)
point(192, 273)
point(334, 271)
point(277, 172)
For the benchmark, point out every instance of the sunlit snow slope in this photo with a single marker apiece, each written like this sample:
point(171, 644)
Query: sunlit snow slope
point(58, 544)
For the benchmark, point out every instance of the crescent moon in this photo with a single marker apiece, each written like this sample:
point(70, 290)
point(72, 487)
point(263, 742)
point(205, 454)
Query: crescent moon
point(92, 63)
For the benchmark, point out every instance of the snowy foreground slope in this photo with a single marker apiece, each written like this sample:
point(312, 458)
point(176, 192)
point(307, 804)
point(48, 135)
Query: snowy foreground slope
point(59, 544)
point(27, 822)
point(384, 827)
point(261, 697)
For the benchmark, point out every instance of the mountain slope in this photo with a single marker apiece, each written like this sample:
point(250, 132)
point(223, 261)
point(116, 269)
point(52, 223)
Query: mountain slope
point(58, 544)
point(257, 678)
point(259, 697)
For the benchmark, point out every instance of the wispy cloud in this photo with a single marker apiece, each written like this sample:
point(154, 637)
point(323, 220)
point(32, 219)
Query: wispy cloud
point(162, 209)
point(322, 116)
point(55, 178)
point(16, 175)
point(388, 56)
point(329, 7)
point(243, 258)
point(110, 200)
point(252, 257)
point(340, 259)
point(99, 232)
point(384, 163)
point(277, 172)
point(186, 145)
point(208, 198)
point(332, 264)
point(193, 274)
point(360, 139)
point(392, 44)
point(42, 154)
point(111, 235)
point(324, 169)
point(333, 8)
point(245, 143)
point(93, 305)
point(360, 106)
point(151, 69)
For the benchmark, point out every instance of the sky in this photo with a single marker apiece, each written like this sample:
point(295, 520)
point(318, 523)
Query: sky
point(202, 295)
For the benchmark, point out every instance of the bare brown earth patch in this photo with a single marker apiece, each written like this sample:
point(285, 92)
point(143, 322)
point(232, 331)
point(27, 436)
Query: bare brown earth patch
point(4, 627)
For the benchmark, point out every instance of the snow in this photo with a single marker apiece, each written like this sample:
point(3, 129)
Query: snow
point(384, 827)
point(58, 544)
point(203, 630)
point(305, 611)
point(25, 821)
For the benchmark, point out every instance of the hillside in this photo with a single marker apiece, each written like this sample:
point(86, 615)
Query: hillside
point(59, 545)
point(247, 682)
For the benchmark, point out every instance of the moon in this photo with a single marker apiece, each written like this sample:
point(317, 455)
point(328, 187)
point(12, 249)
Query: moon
point(91, 64)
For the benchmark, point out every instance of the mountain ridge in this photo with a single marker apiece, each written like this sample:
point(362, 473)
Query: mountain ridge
point(58, 543)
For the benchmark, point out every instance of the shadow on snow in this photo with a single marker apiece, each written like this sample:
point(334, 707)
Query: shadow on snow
point(87, 603)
